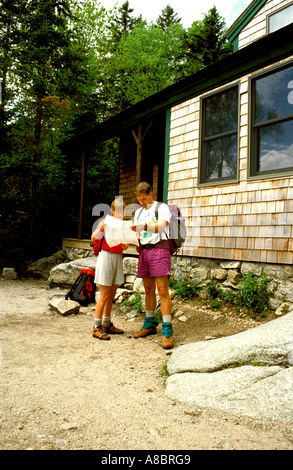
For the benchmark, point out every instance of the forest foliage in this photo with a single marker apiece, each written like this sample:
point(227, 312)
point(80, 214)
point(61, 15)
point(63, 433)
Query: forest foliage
point(66, 65)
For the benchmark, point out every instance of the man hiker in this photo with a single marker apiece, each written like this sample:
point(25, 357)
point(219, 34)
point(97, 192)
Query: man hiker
point(154, 263)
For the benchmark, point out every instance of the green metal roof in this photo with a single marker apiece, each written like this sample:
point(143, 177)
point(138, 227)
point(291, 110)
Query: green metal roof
point(267, 50)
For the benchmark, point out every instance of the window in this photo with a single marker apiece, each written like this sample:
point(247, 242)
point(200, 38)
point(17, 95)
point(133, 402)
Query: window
point(272, 123)
point(219, 144)
point(280, 18)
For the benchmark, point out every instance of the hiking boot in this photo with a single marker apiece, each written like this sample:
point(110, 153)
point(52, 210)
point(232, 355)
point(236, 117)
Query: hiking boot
point(112, 330)
point(145, 332)
point(100, 333)
point(167, 343)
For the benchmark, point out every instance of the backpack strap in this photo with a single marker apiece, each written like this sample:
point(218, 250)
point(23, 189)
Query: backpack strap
point(157, 218)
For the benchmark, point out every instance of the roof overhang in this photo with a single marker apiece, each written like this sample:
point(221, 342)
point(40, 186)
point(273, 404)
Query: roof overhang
point(235, 29)
point(267, 50)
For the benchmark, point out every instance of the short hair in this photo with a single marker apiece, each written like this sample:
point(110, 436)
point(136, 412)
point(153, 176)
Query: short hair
point(118, 205)
point(143, 188)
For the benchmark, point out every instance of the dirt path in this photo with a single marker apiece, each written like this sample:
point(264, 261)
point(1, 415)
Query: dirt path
point(63, 389)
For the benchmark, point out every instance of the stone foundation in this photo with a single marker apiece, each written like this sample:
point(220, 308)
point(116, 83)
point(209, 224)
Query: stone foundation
point(226, 273)
point(229, 273)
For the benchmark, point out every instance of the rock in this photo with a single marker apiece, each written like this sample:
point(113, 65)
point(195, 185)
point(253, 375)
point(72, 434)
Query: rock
point(269, 343)
point(130, 265)
point(130, 278)
point(230, 265)
point(183, 318)
point(61, 443)
point(132, 314)
point(9, 273)
point(138, 285)
point(233, 277)
point(284, 308)
point(68, 426)
point(255, 392)
point(64, 307)
point(219, 274)
point(285, 291)
point(201, 376)
point(178, 313)
point(66, 273)
point(42, 267)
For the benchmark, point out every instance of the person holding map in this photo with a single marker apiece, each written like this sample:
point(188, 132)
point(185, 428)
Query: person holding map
point(109, 275)
point(154, 264)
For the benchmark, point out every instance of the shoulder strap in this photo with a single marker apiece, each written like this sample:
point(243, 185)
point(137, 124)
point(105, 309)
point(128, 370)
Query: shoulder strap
point(157, 218)
point(157, 210)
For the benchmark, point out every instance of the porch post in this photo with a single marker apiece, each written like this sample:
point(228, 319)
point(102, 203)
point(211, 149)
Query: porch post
point(166, 159)
point(81, 200)
point(139, 140)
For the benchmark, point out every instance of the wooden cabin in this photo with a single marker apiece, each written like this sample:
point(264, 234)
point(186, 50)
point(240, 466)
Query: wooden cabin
point(219, 144)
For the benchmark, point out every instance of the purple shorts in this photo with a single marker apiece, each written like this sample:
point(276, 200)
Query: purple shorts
point(155, 262)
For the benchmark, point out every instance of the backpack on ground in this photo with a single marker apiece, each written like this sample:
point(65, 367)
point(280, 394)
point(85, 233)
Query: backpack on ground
point(177, 227)
point(84, 288)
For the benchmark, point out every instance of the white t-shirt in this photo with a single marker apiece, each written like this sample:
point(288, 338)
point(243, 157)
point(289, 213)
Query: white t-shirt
point(146, 216)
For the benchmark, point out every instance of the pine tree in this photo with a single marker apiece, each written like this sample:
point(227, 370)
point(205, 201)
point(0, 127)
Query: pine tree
point(205, 42)
point(123, 23)
point(167, 18)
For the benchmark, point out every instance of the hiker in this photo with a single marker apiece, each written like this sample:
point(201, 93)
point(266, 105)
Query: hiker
point(109, 276)
point(154, 264)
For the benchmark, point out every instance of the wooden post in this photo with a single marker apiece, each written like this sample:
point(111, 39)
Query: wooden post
point(81, 201)
point(139, 154)
point(139, 140)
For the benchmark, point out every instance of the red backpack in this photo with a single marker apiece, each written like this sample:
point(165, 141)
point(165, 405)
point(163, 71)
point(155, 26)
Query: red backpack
point(97, 244)
point(84, 288)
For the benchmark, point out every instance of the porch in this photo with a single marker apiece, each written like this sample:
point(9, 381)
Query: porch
point(85, 244)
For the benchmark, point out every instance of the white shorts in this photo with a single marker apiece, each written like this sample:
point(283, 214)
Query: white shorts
point(109, 269)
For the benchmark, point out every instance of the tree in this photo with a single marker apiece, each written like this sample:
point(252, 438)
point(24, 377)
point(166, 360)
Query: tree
point(146, 61)
point(167, 18)
point(49, 77)
point(123, 23)
point(10, 13)
point(205, 42)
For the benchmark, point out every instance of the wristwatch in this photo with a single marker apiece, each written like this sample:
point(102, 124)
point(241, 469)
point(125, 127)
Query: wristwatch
point(145, 228)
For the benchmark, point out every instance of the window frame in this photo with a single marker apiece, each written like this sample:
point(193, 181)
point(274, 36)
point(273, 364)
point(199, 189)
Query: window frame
point(202, 178)
point(275, 12)
point(253, 151)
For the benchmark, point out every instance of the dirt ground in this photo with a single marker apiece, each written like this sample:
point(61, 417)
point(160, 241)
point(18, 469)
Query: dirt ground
point(62, 389)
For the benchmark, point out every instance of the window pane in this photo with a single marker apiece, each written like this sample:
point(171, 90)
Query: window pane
point(280, 19)
point(276, 146)
point(222, 157)
point(272, 96)
point(221, 112)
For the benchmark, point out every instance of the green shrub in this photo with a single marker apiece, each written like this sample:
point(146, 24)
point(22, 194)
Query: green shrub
point(213, 290)
point(253, 293)
point(186, 288)
point(135, 302)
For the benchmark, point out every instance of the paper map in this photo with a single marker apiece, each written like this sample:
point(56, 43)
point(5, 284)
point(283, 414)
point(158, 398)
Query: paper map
point(119, 231)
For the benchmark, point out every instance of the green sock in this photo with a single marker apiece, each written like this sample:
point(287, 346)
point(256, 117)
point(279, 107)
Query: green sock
point(98, 322)
point(150, 322)
point(106, 321)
